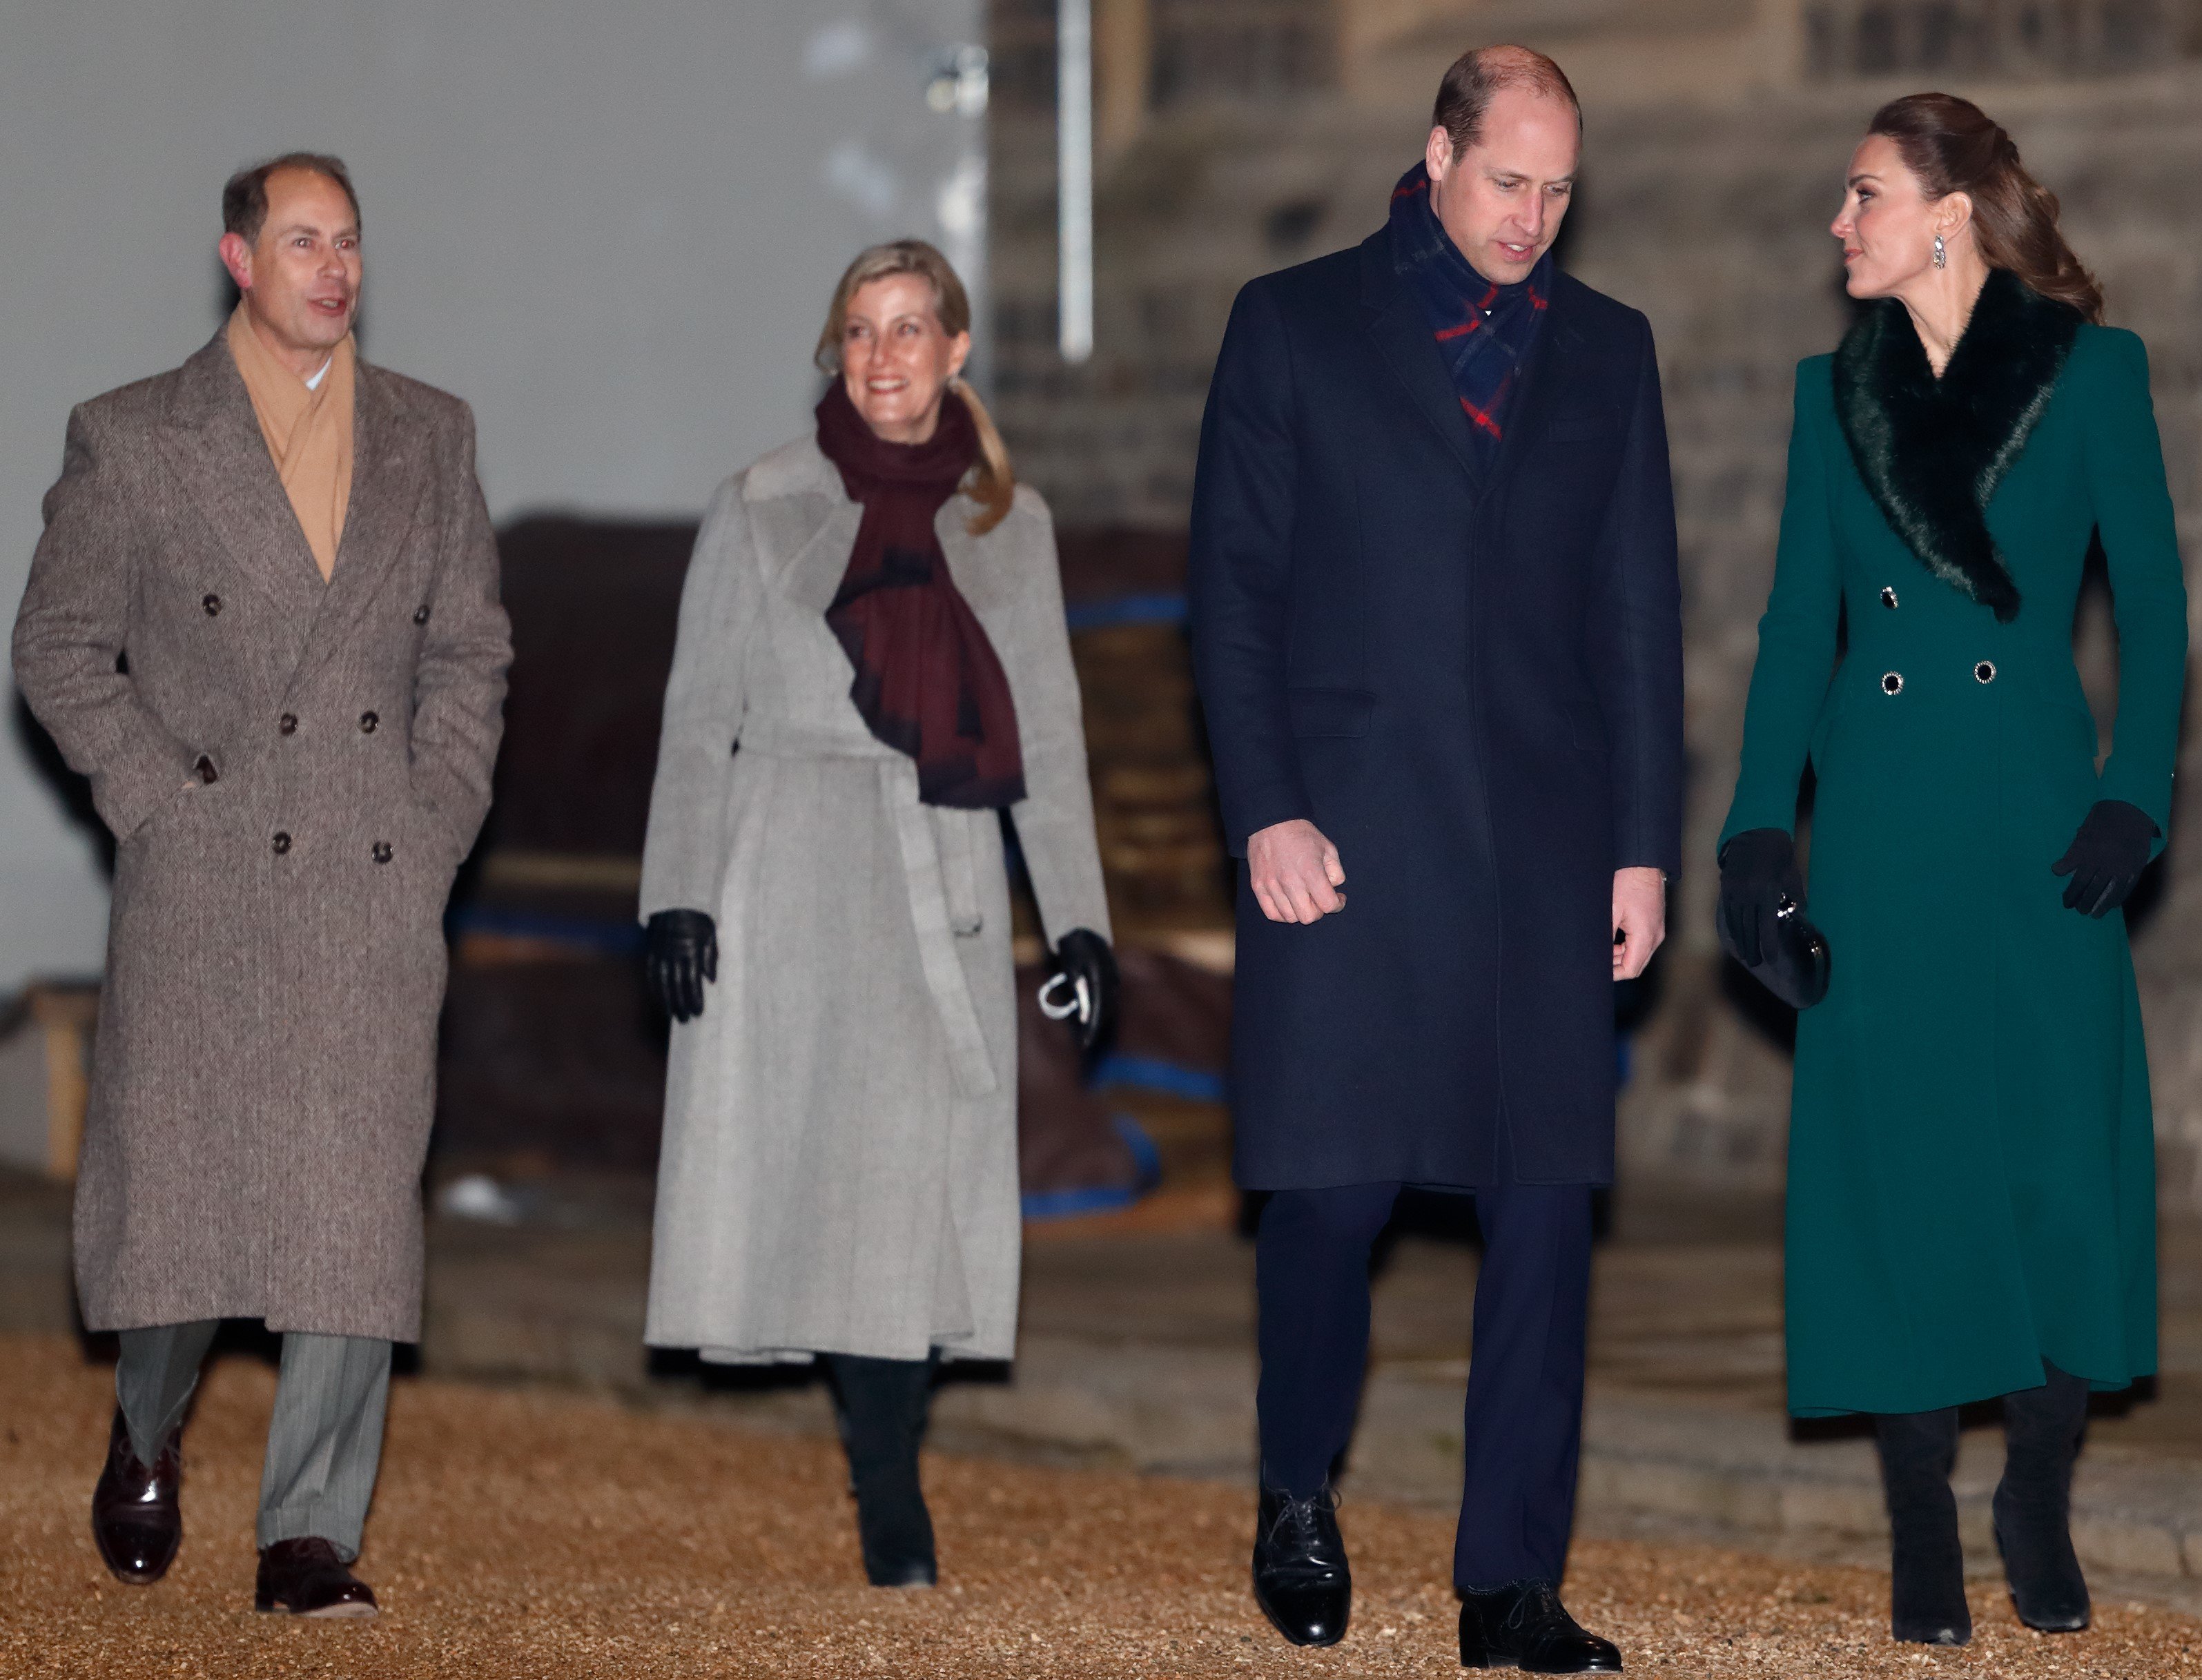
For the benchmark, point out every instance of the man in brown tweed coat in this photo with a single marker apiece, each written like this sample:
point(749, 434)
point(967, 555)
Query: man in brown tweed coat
point(263, 621)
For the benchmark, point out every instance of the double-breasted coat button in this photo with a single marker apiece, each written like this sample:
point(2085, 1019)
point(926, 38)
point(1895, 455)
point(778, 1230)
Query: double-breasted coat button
point(1888, 597)
point(380, 851)
point(288, 723)
point(213, 605)
point(419, 615)
point(1984, 671)
point(1893, 683)
point(204, 769)
point(281, 843)
point(368, 723)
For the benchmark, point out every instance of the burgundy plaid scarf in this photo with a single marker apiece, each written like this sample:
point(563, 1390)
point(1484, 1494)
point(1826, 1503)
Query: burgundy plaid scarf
point(1483, 330)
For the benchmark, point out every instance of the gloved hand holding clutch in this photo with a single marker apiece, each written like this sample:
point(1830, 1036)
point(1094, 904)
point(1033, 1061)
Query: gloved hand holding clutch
point(1758, 871)
point(1083, 989)
point(2106, 857)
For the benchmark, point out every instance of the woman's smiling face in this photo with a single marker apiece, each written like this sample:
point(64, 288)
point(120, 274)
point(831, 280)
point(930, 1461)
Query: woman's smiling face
point(897, 358)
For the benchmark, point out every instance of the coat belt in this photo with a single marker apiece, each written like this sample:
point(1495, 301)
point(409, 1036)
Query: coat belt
point(940, 871)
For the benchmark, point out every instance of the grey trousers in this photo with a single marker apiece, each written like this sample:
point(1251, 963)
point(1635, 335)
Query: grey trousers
point(324, 1442)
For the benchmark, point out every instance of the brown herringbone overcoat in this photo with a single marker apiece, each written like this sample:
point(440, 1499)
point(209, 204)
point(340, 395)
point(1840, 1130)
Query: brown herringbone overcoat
point(292, 771)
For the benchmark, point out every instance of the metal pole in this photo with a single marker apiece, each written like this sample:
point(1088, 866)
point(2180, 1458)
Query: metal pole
point(1074, 144)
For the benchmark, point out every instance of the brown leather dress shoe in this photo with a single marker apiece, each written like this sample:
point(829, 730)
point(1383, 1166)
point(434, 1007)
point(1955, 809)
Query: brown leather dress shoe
point(136, 1521)
point(307, 1579)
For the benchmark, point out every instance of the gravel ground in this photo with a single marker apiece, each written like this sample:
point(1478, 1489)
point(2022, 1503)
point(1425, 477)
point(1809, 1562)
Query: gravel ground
point(545, 1535)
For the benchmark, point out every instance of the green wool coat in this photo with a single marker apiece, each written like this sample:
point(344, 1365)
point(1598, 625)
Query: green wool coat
point(1971, 1165)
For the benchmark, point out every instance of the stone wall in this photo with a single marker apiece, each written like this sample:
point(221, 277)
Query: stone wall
point(1717, 132)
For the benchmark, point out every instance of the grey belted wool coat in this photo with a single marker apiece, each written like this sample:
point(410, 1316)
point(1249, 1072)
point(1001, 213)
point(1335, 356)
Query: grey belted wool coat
point(839, 1170)
point(292, 771)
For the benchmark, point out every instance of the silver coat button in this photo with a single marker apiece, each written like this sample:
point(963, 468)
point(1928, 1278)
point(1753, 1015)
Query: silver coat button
point(1984, 671)
point(1893, 683)
point(1888, 597)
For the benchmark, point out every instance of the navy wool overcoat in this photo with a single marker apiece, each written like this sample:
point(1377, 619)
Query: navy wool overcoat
point(1470, 680)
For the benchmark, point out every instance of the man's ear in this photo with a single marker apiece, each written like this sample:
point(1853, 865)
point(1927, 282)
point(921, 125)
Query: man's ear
point(236, 257)
point(1437, 152)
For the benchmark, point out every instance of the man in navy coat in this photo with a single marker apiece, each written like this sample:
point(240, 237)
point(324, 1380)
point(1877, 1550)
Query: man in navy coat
point(1437, 629)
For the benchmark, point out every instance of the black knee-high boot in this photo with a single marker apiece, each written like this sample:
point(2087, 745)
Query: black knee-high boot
point(2033, 1502)
point(880, 1406)
point(1927, 1601)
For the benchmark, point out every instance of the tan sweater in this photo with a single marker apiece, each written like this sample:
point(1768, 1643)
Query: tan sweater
point(308, 433)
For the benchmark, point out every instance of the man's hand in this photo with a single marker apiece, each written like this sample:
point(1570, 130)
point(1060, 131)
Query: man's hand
point(1639, 920)
point(1296, 873)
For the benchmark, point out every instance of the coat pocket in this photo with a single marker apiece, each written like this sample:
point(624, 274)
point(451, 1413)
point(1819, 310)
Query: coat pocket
point(1321, 712)
point(429, 828)
point(187, 797)
point(421, 843)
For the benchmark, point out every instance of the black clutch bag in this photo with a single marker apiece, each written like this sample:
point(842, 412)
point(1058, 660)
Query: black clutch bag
point(1794, 968)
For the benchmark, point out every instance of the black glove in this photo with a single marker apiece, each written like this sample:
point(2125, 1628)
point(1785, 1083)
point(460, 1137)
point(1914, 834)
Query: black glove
point(1083, 954)
point(2106, 856)
point(1758, 871)
point(683, 952)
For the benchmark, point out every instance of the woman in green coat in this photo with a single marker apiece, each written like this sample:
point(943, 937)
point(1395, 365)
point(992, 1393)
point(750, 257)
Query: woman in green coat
point(1971, 1205)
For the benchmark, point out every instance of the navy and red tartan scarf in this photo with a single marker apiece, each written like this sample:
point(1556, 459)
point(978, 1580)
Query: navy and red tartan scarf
point(1484, 331)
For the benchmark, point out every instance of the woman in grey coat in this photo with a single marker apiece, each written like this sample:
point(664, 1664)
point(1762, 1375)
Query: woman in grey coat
point(872, 665)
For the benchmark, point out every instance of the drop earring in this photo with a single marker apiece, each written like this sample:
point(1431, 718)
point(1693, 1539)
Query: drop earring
point(1941, 253)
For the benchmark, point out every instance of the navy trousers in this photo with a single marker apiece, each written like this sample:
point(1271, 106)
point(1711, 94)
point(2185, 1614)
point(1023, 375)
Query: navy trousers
point(1522, 1422)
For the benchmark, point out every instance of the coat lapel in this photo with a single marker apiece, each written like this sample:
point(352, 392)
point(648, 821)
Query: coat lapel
point(1402, 338)
point(390, 472)
point(213, 443)
point(807, 540)
point(1541, 369)
point(804, 523)
point(1932, 451)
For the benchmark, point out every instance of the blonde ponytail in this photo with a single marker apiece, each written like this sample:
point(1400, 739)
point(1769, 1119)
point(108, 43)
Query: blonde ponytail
point(992, 484)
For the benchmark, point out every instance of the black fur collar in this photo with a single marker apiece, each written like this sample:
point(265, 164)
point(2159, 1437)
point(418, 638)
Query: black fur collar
point(1932, 451)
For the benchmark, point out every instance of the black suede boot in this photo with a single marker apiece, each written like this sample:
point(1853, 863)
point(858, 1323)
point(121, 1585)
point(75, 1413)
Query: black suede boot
point(881, 1405)
point(1927, 1565)
point(2033, 1502)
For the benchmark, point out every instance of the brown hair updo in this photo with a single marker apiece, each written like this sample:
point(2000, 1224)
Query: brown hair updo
point(1953, 146)
point(992, 484)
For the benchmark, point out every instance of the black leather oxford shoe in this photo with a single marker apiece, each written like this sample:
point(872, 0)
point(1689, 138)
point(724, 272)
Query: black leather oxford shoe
point(136, 1520)
point(1301, 1577)
point(1525, 1626)
point(307, 1577)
